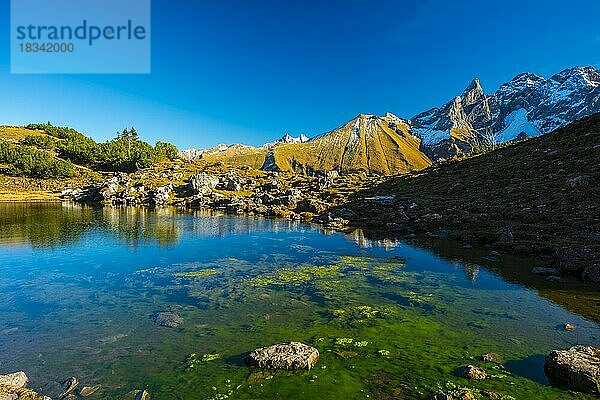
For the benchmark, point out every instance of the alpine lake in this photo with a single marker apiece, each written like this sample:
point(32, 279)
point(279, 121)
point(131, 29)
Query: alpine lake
point(391, 319)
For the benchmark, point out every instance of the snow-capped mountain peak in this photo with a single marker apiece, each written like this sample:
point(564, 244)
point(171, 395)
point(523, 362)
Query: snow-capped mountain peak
point(287, 138)
point(526, 105)
point(586, 76)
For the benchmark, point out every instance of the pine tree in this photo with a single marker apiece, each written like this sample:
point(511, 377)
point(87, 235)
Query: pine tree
point(133, 134)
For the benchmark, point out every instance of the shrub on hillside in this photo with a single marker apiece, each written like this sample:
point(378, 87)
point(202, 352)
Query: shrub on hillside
point(41, 142)
point(125, 153)
point(26, 161)
point(166, 151)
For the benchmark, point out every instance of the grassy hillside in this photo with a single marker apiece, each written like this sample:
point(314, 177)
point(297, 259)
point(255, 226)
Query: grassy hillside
point(541, 196)
point(17, 133)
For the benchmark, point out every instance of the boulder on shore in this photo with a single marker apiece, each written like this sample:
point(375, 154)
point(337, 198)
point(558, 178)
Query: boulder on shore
point(203, 183)
point(292, 355)
point(577, 368)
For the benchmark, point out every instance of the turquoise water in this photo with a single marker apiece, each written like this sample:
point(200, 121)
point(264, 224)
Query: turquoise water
point(78, 287)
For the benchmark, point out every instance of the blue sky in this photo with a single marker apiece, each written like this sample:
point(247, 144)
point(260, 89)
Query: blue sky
point(248, 71)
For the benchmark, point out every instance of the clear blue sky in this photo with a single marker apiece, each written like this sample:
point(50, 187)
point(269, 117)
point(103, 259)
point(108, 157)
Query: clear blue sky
point(248, 71)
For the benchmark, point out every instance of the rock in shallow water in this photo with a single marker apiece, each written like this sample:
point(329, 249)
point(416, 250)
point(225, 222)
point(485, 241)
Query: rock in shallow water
point(16, 379)
point(471, 372)
point(138, 395)
point(89, 390)
point(69, 386)
point(293, 355)
point(15, 393)
point(491, 358)
point(168, 319)
point(577, 368)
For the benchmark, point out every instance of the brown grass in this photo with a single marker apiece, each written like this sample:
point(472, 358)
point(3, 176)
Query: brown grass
point(16, 133)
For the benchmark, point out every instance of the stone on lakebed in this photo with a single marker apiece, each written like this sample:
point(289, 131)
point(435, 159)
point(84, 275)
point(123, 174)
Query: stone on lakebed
point(292, 355)
point(167, 319)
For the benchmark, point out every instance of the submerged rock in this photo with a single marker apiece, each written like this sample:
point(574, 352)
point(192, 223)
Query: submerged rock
point(142, 395)
point(591, 273)
point(457, 394)
point(491, 357)
point(441, 396)
point(577, 368)
point(16, 379)
point(137, 394)
point(89, 390)
point(258, 376)
point(112, 339)
point(69, 386)
point(293, 355)
point(580, 180)
point(471, 372)
point(168, 319)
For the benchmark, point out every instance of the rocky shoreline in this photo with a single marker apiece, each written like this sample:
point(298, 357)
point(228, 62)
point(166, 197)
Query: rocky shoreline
point(237, 191)
point(344, 201)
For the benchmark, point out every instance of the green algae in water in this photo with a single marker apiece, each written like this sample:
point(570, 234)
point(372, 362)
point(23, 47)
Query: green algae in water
point(194, 360)
point(403, 321)
point(196, 274)
point(385, 326)
point(296, 276)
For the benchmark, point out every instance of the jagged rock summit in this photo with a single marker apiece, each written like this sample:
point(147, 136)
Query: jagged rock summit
point(528, 105)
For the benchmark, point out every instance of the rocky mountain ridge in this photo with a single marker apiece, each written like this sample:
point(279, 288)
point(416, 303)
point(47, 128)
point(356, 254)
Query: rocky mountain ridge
point(528, 105)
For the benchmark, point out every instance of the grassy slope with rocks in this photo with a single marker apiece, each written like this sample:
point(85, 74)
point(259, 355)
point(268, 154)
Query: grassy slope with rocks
point(541, 197)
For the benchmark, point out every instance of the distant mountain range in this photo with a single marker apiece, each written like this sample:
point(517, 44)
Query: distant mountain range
point(528, 105)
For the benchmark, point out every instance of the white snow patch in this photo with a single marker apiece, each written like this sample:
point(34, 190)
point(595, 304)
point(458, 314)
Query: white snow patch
point(515, 123)
point(430, 136)
point(355, 130)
